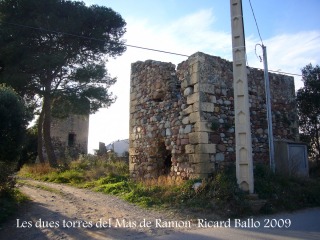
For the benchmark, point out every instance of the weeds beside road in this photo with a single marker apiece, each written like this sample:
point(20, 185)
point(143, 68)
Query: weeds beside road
point(217, 197)
point(218, 194)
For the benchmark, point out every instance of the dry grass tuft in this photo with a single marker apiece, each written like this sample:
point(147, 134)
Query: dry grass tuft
point(36, 169)
point(162, 181)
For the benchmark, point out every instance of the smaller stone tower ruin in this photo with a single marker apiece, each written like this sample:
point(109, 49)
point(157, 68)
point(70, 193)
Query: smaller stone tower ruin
point(70, 134)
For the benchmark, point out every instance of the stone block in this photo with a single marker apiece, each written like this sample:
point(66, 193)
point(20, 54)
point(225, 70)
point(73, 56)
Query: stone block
point(188, 91)
point(189, 148)
point(202, 127)
point(204, 87)
point(198, 158)
point(133, 103)
point(133, 151)
point(198, 137)
point(204, 106)
point(133, 96)
point(187, 110)
point(132, 136)
point(195, 77)
point(185, 120)
point(132, 109)
point(219, 157)
point(221, 147)
point(194, 117)
point(132, 167)
point(207, 107)
point(202, 168)
point(205, 148)
point(168, 132)
point(158, 95)
point(213, 99)
point(196, 58)
point(184, 141)
point(194, 67)
point(196, 87)
point(185, 83)
point(187, 129)
point(195, 97)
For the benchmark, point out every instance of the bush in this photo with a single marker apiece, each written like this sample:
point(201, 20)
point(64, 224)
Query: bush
point(285, 193)
point(13, 118)
point(7, 181)
point(221, 194)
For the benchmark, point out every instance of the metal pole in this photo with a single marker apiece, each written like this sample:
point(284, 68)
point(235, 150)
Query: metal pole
point(269, 114)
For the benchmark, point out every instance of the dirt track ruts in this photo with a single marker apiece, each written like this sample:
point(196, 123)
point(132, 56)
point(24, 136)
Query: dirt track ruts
point(63, 205)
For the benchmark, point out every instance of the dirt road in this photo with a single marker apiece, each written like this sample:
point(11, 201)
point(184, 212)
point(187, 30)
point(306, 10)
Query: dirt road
point(304, 225)
point(63, 212)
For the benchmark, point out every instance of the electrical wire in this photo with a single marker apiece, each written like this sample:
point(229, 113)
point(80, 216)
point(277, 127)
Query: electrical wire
point(128, 45)
point(91, 38)
point(255, 21)
point(294, 74)
point(156, 50)
point(280, 72)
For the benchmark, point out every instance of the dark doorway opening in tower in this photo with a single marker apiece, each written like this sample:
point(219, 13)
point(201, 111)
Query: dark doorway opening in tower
point(165, 158)
point(71, 139)
point(167, 163)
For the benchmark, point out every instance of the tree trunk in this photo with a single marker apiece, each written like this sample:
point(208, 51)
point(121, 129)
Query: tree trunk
point(317, 142)
point(47, 129)
point(40, 137)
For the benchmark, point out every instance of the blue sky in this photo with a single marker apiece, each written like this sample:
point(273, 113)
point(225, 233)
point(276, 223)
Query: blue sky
point(289, 28)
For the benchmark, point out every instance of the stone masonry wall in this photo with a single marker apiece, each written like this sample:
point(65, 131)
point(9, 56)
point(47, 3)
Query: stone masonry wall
point(182, 120)
point(70, 134)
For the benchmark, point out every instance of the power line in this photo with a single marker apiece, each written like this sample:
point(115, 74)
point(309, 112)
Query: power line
point(280, 72)
point(294, 74)
point(128, 45)
point(91, 38)
point(255, 21)
point(156, 50)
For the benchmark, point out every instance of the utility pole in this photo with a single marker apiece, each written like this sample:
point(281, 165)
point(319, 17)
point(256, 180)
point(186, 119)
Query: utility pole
point(244, 166)
point(269, 114)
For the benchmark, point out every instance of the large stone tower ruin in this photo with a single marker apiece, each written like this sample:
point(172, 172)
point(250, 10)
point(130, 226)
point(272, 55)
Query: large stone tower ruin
point(182, 120)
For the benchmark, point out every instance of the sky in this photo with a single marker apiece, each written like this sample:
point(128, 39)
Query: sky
point(289, 29)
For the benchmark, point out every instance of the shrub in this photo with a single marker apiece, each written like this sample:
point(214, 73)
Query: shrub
point(285, 192)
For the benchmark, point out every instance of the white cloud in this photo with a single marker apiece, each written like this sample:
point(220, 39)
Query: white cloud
point(201, 20)
point(294, 50)
point(290, 52)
